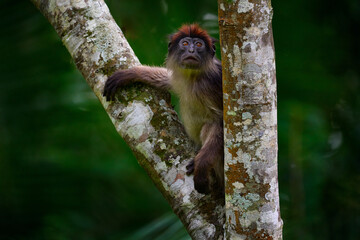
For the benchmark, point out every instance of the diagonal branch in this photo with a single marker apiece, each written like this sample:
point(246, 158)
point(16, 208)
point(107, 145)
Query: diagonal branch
point(143, 116)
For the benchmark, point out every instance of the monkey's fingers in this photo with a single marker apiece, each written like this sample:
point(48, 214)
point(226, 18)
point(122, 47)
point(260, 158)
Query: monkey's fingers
point(107, 90)
point(116, 81)
point(110, 88)
point(190, 167)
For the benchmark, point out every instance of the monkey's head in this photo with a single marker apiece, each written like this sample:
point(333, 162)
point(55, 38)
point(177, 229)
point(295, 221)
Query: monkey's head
point(190, 48)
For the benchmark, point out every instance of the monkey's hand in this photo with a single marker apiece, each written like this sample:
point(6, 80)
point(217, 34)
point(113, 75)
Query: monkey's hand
point(202, 181)
point(190, 167)
point(116, 81)
point(201, 178)
point(208, 173)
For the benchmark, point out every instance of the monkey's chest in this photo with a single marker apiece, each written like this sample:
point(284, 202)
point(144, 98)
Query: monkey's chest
point(194, 113)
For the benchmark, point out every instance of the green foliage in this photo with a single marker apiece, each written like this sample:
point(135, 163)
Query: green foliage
point(164, 228)
point(66, 174)
point(319, 117)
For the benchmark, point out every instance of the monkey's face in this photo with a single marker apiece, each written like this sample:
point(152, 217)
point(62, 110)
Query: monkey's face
point(191, 53)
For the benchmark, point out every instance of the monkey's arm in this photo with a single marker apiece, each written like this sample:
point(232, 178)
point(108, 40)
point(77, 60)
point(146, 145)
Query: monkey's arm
point(154, 76)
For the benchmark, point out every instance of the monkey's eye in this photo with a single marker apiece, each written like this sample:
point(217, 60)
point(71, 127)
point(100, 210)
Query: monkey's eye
point(199, 44)
point(185, 43)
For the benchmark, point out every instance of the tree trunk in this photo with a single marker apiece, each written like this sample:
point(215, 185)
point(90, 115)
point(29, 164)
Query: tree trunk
point(143, 116)
point(250, 120)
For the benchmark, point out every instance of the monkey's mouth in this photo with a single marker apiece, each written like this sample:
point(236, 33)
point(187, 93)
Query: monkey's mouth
point(191, 58)
point(191, 62)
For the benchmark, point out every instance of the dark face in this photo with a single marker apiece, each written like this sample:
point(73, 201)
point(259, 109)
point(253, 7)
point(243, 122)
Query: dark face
point(191, 53)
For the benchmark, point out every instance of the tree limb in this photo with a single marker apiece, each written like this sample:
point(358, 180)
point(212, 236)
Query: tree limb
point(143, 116)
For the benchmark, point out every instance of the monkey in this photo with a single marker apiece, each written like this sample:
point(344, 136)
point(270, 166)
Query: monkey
point(194, 74)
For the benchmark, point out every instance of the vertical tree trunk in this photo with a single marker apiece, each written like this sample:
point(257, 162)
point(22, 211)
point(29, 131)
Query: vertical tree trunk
point(250, 120)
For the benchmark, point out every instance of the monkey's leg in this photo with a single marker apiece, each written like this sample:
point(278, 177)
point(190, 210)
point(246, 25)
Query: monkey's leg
point(154, 76)
point(209, 162)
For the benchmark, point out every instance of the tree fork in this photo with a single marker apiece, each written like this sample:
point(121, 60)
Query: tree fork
point(142, 115)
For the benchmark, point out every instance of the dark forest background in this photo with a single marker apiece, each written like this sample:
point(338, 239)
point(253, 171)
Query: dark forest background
point(66, 174)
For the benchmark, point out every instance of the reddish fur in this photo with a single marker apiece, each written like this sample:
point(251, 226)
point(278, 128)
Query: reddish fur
point(201, 102)
point(192, 30)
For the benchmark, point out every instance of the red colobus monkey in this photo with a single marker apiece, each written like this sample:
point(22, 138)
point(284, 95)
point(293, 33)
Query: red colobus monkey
point(195, 75)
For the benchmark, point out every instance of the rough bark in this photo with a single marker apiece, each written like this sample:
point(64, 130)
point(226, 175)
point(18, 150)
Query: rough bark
point(143, 116)
point(250, 120)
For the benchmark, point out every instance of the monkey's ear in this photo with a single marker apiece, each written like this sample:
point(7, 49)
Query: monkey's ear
point(213, 49)
point(213, 41)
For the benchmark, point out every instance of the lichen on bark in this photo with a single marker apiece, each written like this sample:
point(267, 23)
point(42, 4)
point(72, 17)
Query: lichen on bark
point(250, 122)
